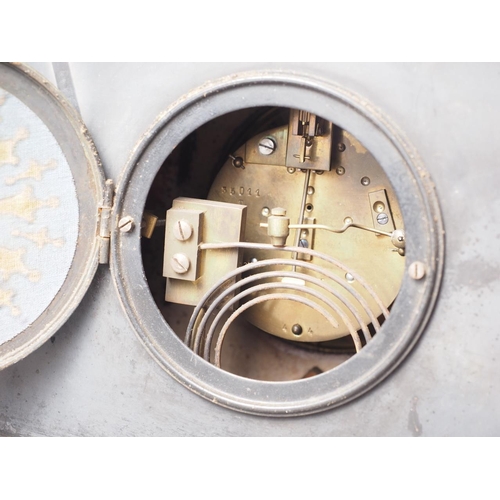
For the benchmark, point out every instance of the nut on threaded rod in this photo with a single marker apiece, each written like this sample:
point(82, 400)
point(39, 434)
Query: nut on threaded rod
point(277, 227)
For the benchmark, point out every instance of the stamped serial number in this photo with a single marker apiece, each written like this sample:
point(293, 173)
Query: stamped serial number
point(239, 191)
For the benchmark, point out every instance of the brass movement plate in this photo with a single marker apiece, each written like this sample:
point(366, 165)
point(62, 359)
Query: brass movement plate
point(346, 191)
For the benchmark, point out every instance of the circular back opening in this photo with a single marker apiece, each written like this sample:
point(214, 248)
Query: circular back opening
point(279, 315)
point(273, 211)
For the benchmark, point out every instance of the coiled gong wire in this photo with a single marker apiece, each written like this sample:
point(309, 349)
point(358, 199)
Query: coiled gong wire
point(219, 299)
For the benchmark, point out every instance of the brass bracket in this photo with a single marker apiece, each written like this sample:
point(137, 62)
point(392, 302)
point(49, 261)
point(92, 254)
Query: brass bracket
point(182, 237)
point(381, 211)
point(211, 222)
point(309, 142)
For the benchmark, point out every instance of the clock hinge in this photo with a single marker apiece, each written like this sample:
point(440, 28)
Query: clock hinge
point(104, 229)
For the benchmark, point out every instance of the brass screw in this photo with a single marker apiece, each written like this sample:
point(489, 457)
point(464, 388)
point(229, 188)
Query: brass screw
point(126, 224)
point(182, 230)
point(267, 146)
point(180, 263)
point(382, 219)
point(416, 270)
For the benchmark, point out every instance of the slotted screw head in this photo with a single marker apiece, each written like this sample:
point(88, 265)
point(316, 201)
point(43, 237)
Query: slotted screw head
point(180, 263)
point(416, 270)
point(267, 146)
point(125, 224)
point(382, 219)
point(182, 230)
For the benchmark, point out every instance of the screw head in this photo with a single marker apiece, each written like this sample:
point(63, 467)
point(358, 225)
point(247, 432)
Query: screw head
point(297, 329)
point(265, 212)
point(340, 170)
point(182, 230)
point(290, 170)
point(365, 181)
point(303, 243)
point(267, 146)
point(125, 224)
point(416, 270)
point(180, 263)
point(382, 219)
point(341, 146)
point(310, 190)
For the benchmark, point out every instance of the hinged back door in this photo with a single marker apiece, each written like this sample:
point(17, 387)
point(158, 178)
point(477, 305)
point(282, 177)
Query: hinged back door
point(51, 196)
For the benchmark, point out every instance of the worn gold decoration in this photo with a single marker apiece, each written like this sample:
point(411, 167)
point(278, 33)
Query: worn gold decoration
point(25, 205)
point(34, 171)
point(38, 216)
point(40, 238)
point(7, 155)
point(11, 262)
point(6, 301)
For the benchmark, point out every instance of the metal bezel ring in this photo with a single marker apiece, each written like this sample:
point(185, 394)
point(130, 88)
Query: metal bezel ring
point(421, 213)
